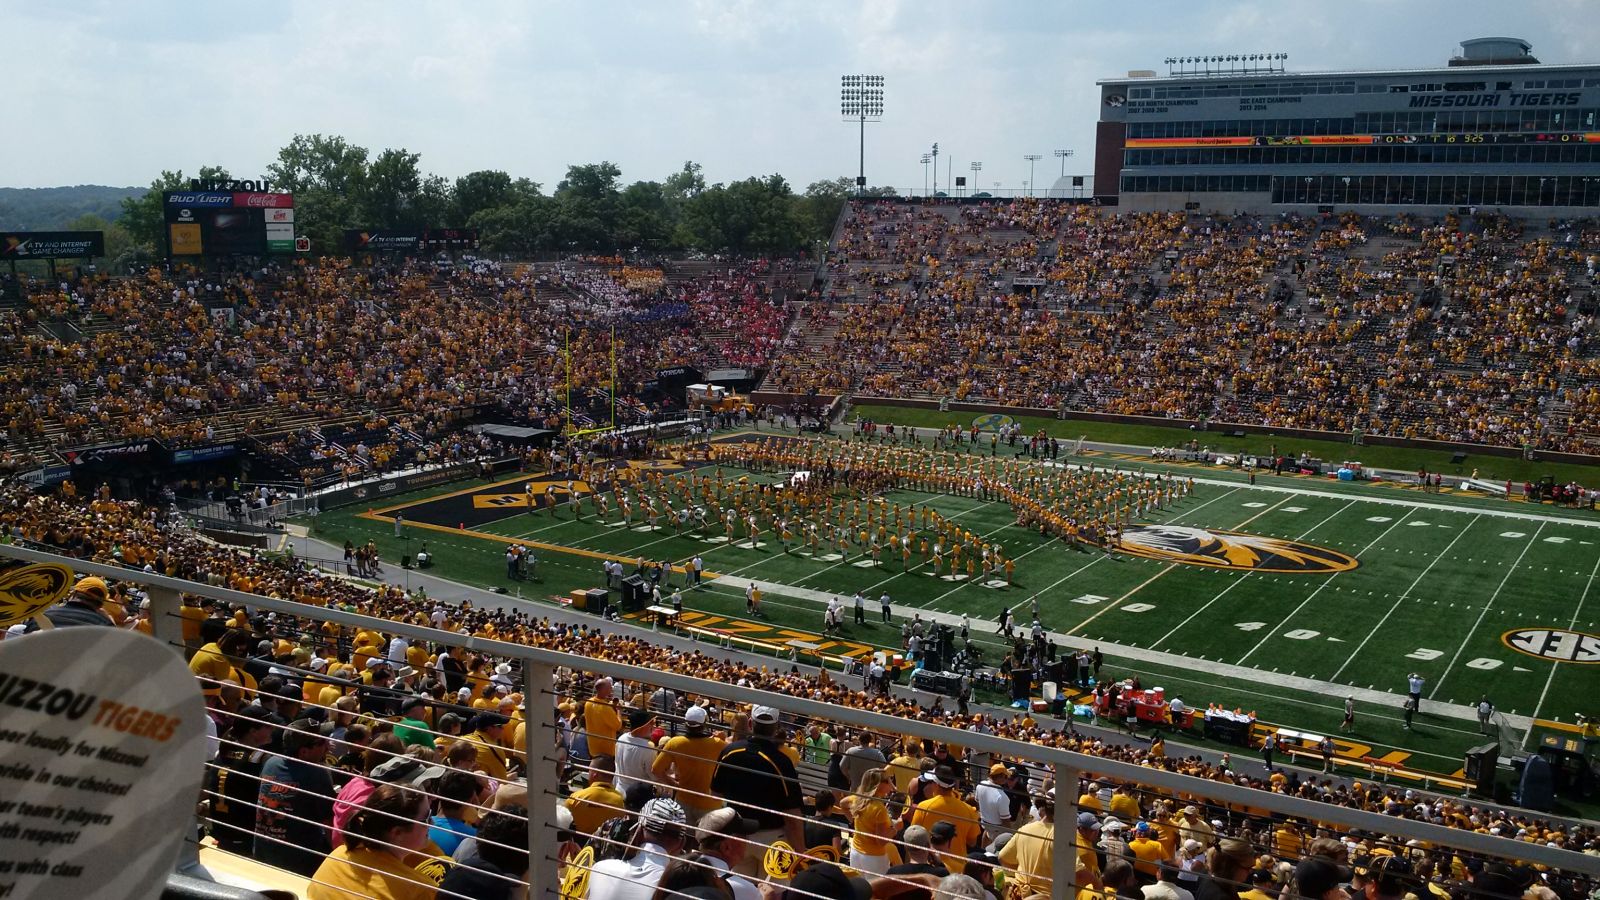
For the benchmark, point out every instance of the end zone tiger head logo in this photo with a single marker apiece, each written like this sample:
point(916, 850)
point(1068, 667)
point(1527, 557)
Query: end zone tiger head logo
point(1231, 550)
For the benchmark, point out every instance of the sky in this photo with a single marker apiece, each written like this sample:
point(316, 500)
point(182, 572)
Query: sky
point(114, 92)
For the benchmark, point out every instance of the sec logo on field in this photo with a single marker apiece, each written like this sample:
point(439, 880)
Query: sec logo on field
point(991, 422)
point(1554, 644)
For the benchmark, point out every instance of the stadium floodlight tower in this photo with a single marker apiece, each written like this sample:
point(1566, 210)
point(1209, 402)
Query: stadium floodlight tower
point(976, 167)
point(861, 99)
point(1062, 155)
point(1031, 158)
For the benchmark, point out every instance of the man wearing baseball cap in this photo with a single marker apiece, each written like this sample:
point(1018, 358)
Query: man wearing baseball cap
point(85, 605)
point(756, 778)
point(994, 801)
point(724, 839)
point(945, 805)
point(688, 761)
point(635, 754)
point(662, 829)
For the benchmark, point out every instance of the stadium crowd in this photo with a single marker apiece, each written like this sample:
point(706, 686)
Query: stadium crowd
point(1466, 329)
point(190, 357)
point(328, 734)
point(1471, 329)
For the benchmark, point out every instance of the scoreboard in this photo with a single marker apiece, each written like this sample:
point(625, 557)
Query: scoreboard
point(228, 223)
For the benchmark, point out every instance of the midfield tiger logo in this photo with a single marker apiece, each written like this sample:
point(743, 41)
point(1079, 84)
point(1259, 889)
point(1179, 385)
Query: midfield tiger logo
point(1231, 550)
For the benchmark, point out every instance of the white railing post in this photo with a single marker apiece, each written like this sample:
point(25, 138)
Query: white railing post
point(544, 783)
point(1064, 852)
point(166, 625)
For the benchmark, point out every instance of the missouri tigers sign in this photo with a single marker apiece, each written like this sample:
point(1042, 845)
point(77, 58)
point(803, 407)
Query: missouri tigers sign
point(1231, 550)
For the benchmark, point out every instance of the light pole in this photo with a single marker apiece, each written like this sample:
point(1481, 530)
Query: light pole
point(1031, 158)
point(1062, 155)
point(926, 158)
point(976, 167)
point(860, 99)
point(935, 169)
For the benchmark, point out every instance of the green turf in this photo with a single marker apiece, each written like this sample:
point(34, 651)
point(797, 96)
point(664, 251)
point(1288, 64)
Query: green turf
point(1406, 459)
point(1435, 591)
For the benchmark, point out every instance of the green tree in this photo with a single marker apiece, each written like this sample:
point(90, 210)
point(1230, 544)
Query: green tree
point(144, 217)
point(643, 217)
point(477, 191)
point(432, 205)
point(586, 207)
point(389, 190)
point(521, 228)
point(328, 177)
point(120, 252)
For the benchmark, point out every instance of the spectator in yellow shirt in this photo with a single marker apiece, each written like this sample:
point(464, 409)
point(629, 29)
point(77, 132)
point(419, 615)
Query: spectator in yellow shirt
point(490, 742)
point(689, 761)
point(946, 806)
point(600, 801)
point(1028, 852)
point(601, 719)
point(1147, 850)
point(212, 663)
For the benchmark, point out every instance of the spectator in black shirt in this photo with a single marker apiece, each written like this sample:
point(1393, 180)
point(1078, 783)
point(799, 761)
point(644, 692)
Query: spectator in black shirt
point(295, 803)
point(757, 779)
point(84, 606)
point(827, 826)
point(234, 784)
point(1228, 870)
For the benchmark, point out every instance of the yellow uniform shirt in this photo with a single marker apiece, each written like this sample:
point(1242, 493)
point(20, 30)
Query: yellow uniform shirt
point(603, 722)
point(869, 822)
point(952, 809)
point(694, 761)
point(348, 874)
point(593, 805)
point(1028, 852)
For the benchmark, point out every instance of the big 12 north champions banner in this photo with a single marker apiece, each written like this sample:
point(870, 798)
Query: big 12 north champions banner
point(16, 245)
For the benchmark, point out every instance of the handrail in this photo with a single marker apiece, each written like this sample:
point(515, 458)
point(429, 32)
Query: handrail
point(164, 602)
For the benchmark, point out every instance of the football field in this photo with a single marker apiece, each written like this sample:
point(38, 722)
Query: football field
point(1287, 595)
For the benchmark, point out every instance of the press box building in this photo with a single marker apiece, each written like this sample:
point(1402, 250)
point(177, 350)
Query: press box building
point(1494, 128)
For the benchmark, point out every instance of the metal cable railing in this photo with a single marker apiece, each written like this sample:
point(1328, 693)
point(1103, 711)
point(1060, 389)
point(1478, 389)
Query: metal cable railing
point(551, 680)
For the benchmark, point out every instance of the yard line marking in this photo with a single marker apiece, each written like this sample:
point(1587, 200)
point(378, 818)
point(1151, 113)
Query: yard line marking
point(1393, 501)
point(1170, 566)
point(1486, 607)
point(1554, 667)
point(1268, 636)
point(1403, 596)
point(1161, 641)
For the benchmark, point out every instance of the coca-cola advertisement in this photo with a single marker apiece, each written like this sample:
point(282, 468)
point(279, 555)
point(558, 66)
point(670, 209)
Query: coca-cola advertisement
point(263, 201)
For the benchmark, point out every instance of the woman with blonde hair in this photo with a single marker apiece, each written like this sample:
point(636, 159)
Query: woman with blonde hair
point(869, 819)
